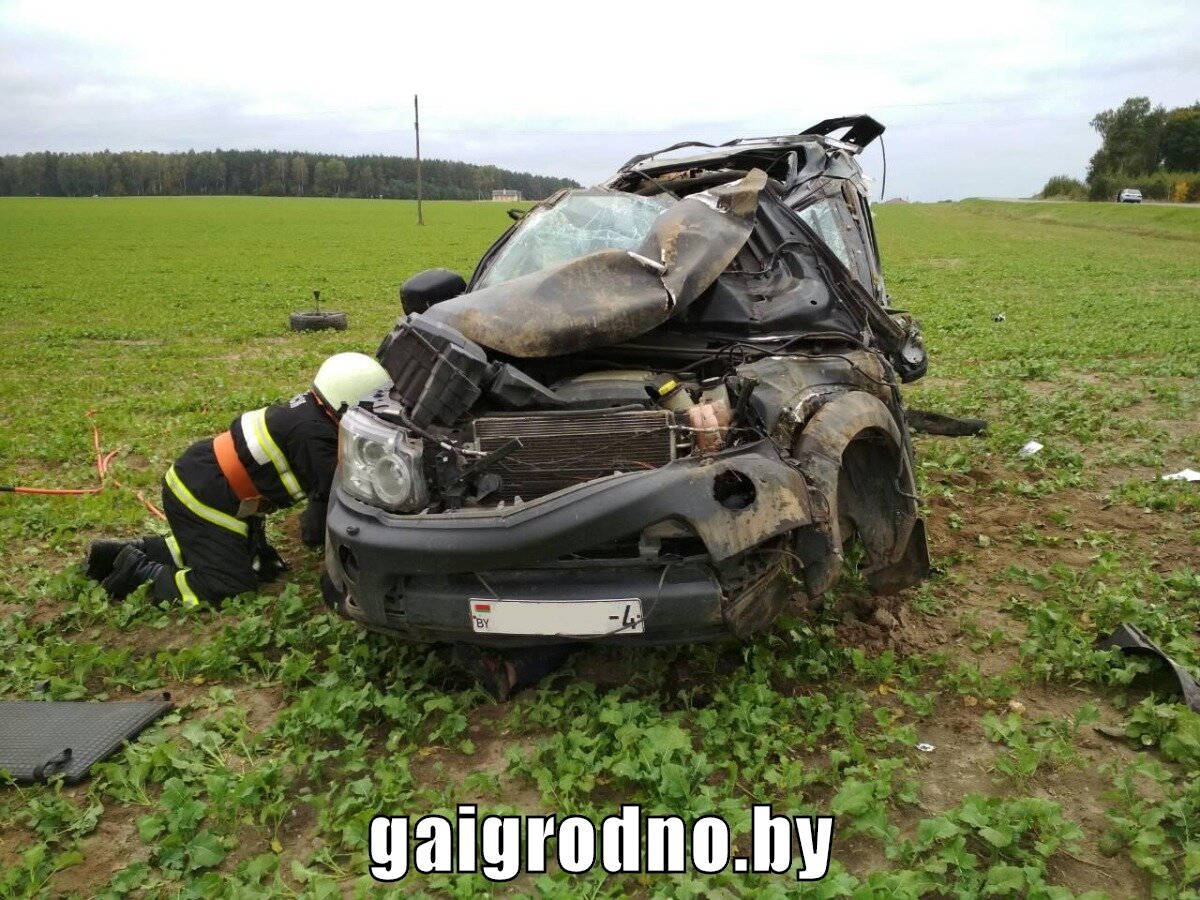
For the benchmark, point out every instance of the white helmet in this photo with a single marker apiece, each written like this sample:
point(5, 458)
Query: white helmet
point(345, 378)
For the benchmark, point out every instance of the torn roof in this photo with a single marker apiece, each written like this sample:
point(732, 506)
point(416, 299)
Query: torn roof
point(613, 295)
point(861, 130)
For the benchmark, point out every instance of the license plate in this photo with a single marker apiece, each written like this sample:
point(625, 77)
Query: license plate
point(577, 618)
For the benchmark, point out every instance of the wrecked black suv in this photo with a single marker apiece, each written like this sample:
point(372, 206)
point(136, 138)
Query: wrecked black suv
point(660, 409)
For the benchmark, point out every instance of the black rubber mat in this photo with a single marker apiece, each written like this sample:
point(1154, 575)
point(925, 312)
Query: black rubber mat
point(41, 739)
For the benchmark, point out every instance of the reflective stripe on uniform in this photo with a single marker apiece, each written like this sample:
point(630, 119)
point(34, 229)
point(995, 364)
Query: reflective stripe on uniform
point(264, 449)
point(249, 432)
point(176, 553)
point(207, 513)
point(186, 595)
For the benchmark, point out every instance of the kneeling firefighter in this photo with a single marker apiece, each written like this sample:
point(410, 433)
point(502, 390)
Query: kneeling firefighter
point(219, 490)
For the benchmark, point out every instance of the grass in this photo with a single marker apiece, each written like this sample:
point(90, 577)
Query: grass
point(1179, 223)
point(167, 317)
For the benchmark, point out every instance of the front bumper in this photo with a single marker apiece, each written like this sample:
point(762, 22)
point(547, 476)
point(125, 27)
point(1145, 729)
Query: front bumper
point(414, 575)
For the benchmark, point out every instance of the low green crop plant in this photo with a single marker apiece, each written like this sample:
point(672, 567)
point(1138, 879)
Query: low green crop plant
point(988, 846)
point(1031, 747)
point(293, 728)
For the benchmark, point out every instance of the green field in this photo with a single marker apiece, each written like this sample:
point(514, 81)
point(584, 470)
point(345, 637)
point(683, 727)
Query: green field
point(167, 317)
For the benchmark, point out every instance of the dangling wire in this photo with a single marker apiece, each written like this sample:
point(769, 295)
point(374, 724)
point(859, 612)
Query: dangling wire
point(883, 184)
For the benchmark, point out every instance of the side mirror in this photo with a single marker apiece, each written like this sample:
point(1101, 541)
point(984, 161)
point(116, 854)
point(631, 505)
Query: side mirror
point(429, 287)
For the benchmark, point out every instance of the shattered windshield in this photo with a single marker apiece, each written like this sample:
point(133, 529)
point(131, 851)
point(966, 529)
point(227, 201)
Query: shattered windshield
point(579, 224)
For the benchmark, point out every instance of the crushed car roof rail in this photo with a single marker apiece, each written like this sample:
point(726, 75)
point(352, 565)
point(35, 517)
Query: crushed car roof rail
point(863, 130)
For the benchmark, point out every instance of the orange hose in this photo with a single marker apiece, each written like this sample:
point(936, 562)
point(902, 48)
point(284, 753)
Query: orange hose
point(51, 492)
point(103, 460)
point(150, 507)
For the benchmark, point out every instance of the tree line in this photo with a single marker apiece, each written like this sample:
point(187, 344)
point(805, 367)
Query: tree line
point(1151, 148)
point(268, 173)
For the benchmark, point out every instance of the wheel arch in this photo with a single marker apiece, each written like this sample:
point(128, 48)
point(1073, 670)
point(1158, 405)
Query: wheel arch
point(856, 456)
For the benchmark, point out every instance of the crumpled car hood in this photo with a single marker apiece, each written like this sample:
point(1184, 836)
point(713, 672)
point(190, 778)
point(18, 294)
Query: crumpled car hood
point(612, 296)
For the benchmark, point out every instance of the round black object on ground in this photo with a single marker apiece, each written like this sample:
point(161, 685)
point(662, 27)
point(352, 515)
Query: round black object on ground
point(317, 321)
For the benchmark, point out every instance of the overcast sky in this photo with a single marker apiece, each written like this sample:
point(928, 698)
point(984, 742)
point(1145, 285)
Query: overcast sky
point(979, 99)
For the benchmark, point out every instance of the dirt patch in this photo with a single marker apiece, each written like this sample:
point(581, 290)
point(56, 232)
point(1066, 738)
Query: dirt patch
point(42, 612)
point(963, 762)
point(443, 766)
point(262, 706)
point(179, 632)
point(114, 845)
point(889, 626)
point(13, 842)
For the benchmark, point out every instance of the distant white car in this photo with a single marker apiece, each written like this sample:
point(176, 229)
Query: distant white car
point(1129, 195)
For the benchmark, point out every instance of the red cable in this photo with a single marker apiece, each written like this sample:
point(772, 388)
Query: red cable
point(151, 508)
point(50, 492)
point(103, 460)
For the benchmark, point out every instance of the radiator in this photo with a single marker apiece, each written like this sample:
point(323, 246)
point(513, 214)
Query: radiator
point(565, 449)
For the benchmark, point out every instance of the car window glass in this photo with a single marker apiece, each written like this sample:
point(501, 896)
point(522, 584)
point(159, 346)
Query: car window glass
point(577, 225)
point(822, 219)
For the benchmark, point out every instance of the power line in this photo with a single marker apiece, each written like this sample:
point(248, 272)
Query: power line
point(179, 137)
point(300, 116)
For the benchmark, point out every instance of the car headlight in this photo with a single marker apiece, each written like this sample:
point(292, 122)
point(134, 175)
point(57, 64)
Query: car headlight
point(380, 464)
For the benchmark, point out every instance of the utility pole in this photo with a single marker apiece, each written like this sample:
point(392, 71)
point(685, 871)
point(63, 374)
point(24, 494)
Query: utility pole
point(417, 132)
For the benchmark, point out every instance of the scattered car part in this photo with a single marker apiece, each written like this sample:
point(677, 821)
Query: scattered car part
point(42, 739)
point(1031, 449)
point(928, 422)
point(437, 373)
point(1132, 640)
point(317, 319)
point(1183, 475)
point(660, 406)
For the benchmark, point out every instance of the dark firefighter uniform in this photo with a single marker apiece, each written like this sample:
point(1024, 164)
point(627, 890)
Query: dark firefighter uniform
point(215, 497)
